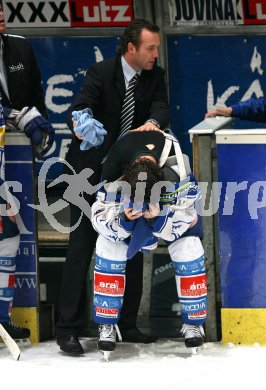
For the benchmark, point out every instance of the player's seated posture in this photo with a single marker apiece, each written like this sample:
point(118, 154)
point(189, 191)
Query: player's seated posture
point(149, 193)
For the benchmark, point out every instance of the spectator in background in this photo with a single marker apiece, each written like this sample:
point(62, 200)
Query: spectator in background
point(23, 102)
point(103, 91)
point(251, 109)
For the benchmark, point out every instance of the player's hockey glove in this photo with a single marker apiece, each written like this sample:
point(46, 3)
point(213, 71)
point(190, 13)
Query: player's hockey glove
point(37, 128)
point(89, 128)
point(10, 116)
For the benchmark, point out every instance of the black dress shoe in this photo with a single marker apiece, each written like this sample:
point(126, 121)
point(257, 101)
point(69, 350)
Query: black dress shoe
point(133, 335)
point(70, 344)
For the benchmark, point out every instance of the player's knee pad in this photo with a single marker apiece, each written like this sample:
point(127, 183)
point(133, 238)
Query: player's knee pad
point(8, 251)
point(111, 250)
point(109, 280)
point(188, 258)
point(187, 253)
point(110, 257)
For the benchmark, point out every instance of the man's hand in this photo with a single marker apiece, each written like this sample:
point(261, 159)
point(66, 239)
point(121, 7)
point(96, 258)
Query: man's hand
point(148, 126)
point(88, 129)
point(132, 214)
point(154, 211)
point(225, 111)
point(79, 136)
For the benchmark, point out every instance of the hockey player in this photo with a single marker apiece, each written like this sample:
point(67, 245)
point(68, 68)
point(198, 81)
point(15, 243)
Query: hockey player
point(159, 203)
point(35, 127)
point(22, 96)
point(9, 243)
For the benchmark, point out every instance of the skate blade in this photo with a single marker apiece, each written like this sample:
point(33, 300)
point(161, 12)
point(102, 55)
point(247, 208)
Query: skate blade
point(106, 355)
point(195, 350)
point(23, 343)
point(178, 348)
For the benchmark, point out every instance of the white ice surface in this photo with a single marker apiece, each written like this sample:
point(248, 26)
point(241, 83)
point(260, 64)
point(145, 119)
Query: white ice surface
point(162, 365)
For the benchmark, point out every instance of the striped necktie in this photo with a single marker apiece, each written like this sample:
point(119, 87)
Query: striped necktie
point(128, 107)
point(3, 80)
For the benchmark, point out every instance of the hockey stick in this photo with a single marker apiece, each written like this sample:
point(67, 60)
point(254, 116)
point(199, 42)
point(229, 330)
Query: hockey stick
point(10, 343)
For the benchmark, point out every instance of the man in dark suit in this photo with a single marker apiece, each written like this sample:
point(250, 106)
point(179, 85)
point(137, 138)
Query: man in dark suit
point(103, 91)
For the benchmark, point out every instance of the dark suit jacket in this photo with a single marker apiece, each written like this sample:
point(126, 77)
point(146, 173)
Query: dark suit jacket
point(23, 75)
point(103, 91)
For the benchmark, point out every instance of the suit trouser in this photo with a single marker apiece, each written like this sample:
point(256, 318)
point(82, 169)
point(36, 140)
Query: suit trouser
point(73, 306)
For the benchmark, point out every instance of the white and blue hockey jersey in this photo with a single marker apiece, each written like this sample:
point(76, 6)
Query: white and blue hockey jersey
point(178, 213)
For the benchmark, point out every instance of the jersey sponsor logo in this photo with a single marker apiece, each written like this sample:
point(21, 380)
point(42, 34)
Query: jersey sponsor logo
point(15, 68)
point(198, 316)
point(192, 286)
point(7, 262)
point(75, 13)
point(185, 268)
point(118, 266)
point(107, 302)
point(195, 307)
point(104, 312)
point(109, 265)
point(109, 284)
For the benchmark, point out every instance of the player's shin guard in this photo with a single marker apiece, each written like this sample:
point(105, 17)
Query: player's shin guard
point(187, 255)
point(8, 252)
point(109, 280)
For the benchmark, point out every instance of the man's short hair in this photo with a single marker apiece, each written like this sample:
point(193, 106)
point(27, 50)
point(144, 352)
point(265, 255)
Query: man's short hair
point(133, 172)
point(132, 34)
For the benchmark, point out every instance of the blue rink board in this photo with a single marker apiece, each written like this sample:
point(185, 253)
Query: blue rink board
point(19, 168)
point(205, 68)
point(242, 237)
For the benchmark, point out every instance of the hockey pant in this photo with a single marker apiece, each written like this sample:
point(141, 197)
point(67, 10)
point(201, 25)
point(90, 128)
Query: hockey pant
point(8, 253)
point(187, 255)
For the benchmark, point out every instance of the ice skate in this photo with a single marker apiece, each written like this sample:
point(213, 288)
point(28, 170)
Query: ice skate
point(194, 336)
point(17, 333)
point(107, 339)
